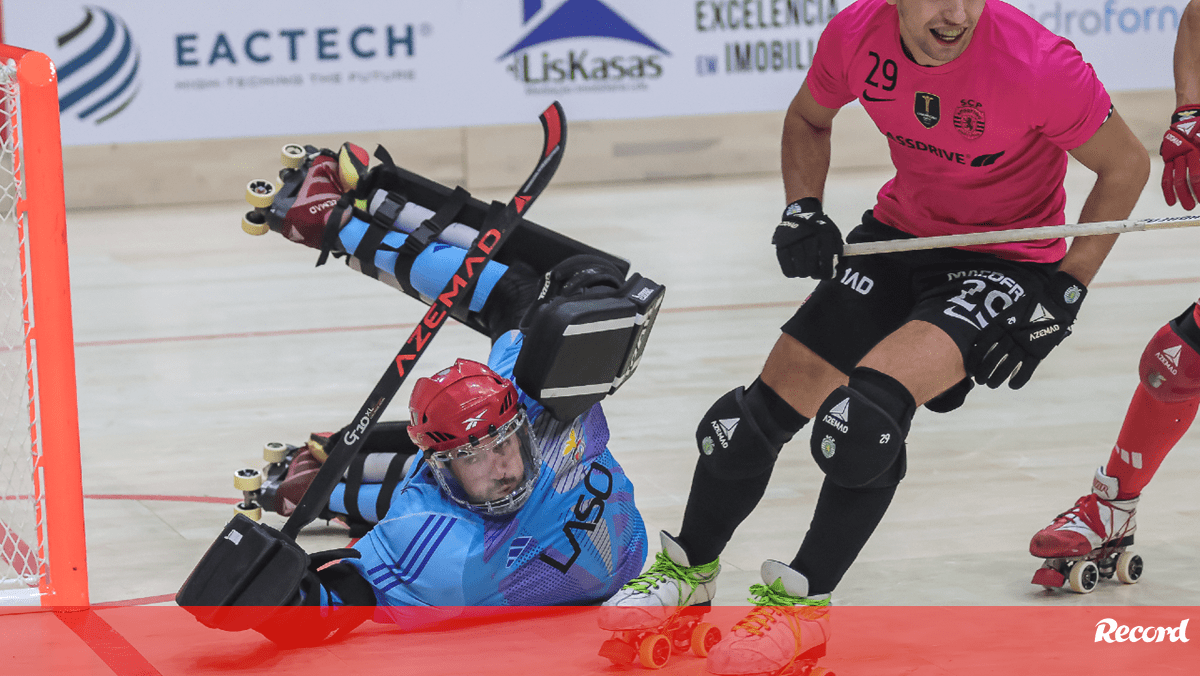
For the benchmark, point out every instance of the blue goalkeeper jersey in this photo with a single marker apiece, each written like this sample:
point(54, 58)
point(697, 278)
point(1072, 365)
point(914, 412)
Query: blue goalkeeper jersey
point(578, 538)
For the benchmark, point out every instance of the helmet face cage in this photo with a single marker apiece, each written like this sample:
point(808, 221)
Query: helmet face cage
point(494, 475)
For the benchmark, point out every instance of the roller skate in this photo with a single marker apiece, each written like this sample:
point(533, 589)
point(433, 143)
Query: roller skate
point(280, 485)
point(1089, 542)
point(660, 611)
point(310, 184)
point(786, 633)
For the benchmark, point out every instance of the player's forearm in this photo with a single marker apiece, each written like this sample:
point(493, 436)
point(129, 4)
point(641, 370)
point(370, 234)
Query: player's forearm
point(1187, 56)
point(1112, 199)
point(1086, 255)
point(806, 152)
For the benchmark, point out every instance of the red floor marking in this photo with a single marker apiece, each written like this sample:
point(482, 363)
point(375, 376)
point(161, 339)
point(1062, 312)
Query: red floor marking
point(166, 498)
point(247, 334)
point(108, 644)
point(1146, 282)
point(16, 553)
point(143, 601)
point(668, 310)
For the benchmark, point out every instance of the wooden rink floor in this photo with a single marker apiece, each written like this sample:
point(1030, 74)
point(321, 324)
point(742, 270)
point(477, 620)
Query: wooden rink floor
point(196, 344)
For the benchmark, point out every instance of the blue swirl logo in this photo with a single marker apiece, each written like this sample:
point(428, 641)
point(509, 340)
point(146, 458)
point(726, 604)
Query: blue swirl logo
point(98, 75)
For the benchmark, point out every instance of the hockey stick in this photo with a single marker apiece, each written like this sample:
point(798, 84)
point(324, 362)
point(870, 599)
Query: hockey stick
point(500, 222)
point(1019, 235)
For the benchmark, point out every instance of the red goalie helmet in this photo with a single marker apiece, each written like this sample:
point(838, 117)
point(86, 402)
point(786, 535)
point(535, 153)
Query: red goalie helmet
point(468, 421)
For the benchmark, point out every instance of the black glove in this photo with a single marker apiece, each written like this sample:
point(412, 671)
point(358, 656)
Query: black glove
point(807, 242)
point(581, 274)
point(1020, 337)
point(512, 296)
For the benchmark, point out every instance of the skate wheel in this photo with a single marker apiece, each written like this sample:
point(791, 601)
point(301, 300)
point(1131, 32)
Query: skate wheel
point(253, 513)
point(704, 637)
point(293, 156)
point(618, 652)
point(1084, 577)
point(1129, 567)
point(274, 452)
point(654, 652)
point(248, 479)
point(260, 193)
point(254, 223)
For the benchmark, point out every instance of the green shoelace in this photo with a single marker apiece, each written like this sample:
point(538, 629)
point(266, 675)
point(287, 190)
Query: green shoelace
point(664, 568)
point(768, 599)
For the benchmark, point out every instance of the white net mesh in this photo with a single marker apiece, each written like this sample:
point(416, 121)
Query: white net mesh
point(21, 553)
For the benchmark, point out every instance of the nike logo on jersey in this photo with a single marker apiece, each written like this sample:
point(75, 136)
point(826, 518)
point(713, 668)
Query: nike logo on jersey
point(868, 97)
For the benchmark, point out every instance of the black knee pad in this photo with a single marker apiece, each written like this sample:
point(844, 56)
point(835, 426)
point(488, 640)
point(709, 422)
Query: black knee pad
point(859, 430)
point(891, 476)
point(732, 444)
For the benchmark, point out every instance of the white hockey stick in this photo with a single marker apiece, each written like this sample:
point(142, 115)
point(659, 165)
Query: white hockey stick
point(1020, 235)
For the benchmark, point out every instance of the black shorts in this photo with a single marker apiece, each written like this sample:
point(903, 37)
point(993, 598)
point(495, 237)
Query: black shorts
point(957, 291)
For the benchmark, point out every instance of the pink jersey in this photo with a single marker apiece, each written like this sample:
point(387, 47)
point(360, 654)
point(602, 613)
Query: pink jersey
point(978, 143)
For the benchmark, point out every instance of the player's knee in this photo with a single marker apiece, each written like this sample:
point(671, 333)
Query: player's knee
point(859, 431)
point(1170, 364)
point(739, 437)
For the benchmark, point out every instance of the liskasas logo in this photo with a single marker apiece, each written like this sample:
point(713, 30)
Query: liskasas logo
point(98, 65)
point(567, 59)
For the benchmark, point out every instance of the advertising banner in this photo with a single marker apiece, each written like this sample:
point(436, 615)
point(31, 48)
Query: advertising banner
point(142, 70)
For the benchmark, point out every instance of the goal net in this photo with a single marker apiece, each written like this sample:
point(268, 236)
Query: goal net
point(42, 548)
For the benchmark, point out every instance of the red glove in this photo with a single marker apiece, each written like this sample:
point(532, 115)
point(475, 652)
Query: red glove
point(1181, 152)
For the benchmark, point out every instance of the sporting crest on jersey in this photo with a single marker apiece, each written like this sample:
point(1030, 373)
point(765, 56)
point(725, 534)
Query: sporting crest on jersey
point(928, 109)
point(969, 119)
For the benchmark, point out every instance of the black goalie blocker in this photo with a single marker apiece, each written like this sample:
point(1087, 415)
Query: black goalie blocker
point(586, 334)
point(254, 577)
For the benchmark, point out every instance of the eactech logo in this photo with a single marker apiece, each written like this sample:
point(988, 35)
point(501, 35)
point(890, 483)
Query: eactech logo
point(98, 65)
point(584, 44)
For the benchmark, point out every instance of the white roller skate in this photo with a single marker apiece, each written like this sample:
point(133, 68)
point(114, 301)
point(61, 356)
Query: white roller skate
point(1088, 542)
point(786, 632)
point(660, 611)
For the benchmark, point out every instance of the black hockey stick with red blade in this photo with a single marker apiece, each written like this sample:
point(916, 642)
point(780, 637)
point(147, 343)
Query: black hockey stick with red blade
point(500, 222)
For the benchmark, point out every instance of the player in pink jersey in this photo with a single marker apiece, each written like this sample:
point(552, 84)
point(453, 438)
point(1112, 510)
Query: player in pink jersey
point(981, 106)
point(1089, 540)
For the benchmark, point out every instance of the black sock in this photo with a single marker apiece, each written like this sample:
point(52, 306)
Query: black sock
point(717, 505)
point(842, 522)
